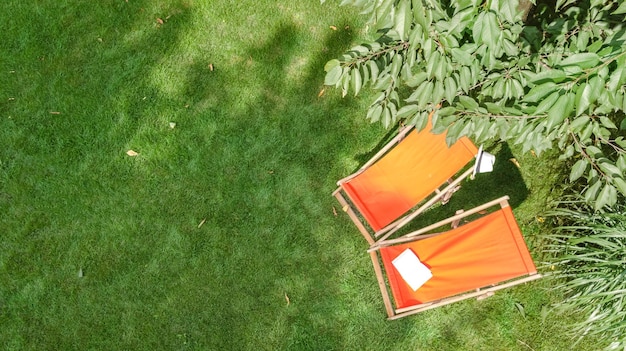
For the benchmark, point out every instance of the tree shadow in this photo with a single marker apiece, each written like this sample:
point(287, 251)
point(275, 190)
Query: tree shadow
point(505, 179)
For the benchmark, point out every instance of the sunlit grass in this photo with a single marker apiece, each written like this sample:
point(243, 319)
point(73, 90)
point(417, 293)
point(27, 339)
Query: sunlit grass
point(220, 233)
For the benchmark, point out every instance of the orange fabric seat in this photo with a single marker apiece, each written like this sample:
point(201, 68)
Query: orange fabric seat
point(406, 176)
point(482, 253)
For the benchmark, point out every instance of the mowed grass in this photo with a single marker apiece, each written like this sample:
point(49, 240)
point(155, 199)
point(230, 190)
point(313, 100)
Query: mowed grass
point(220, 234)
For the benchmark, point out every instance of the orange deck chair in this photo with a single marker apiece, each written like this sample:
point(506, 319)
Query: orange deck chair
point(402, 175)
point(475, 259)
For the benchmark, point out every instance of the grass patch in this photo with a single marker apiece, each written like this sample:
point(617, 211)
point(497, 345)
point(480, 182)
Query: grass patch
point(253, 157)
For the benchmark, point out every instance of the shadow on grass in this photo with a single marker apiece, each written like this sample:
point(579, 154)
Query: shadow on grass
point(265, 173)
point(505, 179)
point(220, 226)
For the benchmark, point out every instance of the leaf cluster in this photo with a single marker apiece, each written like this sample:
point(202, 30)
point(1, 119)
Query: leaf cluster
point(485, 70)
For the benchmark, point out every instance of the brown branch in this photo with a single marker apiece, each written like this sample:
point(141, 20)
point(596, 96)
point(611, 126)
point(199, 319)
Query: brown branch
point(586, 155)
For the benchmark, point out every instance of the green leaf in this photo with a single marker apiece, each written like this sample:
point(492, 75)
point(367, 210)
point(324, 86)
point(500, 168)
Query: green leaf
point(396, 65)
point(373, 70)
point(433, 63)
point(426, 95)
point(509, 10)
point(420, 120)
point(583, 98)
point(609, 169)
point(491, 30)
point(417, 93)
point(331, 64)
point(407, 110)
point(552, 75)
point(461, 56)
point(383, 82)
point(622, 126)
point(493, 108)
point(374, 112)
point(402, 19)
point(579, 123)
point(468, 102)
point(547, 103)
point(621, 9)
point(597, 87)
point(604, 198)
point(453, 132)
point(345, 82)
point(419, 13)
point(583, 60)
point(620, 184)
point(450, 89)
point(606, 122)
point(441, 71)
point(438, 92)
point(333, 76)
point(593, 151)
point(417, 79)
point(477, 28)
point(386, 117)
point(540, 91)
point(517, 89)
point(587, 132)
point(621, 162)
point(615, 79)
point(356, 81)
point(583, 40)
point(578, 169)
point(446, 111)
point(592, 191)
point(457, 23)
point(560, 110)
point(465, 78)
point(595, 46)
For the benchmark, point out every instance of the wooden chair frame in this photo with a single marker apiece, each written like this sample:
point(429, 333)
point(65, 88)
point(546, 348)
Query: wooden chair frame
point(393, 313)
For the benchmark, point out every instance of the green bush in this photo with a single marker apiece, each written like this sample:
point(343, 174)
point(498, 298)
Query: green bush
point(590, 266)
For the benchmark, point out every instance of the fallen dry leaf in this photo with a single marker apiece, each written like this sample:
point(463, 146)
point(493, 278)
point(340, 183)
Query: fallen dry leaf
point(333, 27)
point(321, 93)
point(211, 68)
point(159, 21)
point(346, 27)
point(132, 153)
point(334, 211)
point(514, 160)
point(172, 125)
point(345, 208)
point(55, 112)
point(202, 223)
point(287, 299)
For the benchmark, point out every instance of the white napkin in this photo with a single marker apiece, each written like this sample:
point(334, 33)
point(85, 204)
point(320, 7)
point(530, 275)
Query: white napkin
point(412, 270)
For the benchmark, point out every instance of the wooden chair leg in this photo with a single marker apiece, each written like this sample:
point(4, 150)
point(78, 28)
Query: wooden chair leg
point(485, 295)
point(445, 198)
point(456, 222)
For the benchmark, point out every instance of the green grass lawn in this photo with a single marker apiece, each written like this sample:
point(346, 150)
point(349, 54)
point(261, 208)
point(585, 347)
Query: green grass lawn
point(220, 234)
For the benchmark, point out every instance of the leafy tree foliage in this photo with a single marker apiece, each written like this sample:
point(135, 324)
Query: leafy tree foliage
point(543, 76)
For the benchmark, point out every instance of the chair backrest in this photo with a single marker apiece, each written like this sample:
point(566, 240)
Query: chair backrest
point(406, 175)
